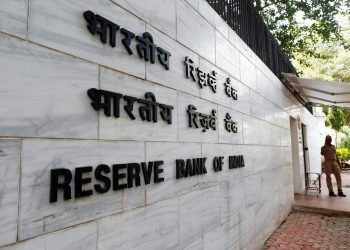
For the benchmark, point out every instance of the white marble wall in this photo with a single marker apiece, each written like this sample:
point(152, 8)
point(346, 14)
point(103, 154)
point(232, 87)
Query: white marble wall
point(49, 61)
point(13, 17)
point(9, 187)
point(194, 31)
point(44, 93)
point(124, 128)
point(38, 216)
point(60, 25)
point(152, 11)
point(153, 227)
point(199, 213)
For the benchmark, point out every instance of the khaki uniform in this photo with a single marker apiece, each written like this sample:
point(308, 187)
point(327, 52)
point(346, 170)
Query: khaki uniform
point(331, 166)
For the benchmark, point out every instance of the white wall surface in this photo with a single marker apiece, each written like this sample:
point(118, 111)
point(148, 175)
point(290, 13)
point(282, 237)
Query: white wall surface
point(49, 60)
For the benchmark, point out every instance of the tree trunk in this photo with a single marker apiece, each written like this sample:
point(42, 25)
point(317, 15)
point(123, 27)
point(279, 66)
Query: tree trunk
point(336, 139)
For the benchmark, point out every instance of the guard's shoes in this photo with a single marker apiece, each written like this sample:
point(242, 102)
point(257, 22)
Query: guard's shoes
point(341, 194)
point(332, 194)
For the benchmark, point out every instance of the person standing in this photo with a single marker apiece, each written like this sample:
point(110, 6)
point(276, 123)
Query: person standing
point(332, 165)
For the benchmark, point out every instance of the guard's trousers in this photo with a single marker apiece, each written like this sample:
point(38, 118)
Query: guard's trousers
point(331, 166)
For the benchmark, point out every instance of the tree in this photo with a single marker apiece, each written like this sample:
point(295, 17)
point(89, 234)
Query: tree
point(335, 119)
point(298, 24)
point(333, 63)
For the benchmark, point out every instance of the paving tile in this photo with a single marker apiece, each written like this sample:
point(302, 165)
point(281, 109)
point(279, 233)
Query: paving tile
point(308, 231)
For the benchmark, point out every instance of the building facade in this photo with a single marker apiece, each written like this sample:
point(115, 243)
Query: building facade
point(142, 125)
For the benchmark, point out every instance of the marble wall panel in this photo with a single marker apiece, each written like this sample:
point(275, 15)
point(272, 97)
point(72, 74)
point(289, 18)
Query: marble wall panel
point(273, 113)
point(288, 155)
point(266, 132)
point(13, 17)
point(39, 216)
point(273, 78)
point(262, 84)
point(286, 138)
point(286, 198)
point(194, 31)
point(220, 238)
point(242, 104)
point(213, 18)
point(259, 106)
point(199, 214)
point(267, 182)
point(197, 245)
point(251, 130)
point(224, 135)
point(211, 150)
point(175, 77)
point(247, 152)
point(250, 54)
point(207, 93)
point(253, 189)
point(277, 182)
point(266, 217)
point(60, 25)
point(152, 227)
point(232, 197)
point(278, 97)
point(193, 134)
point(124, 128)
point(276, 135)
point(282, 118)
point(235, 40)
point(159, 13)
point(286, 175)
point(227, 56)
point(9, 188)
point(170, 152)
point(263, 109)
point(48, 96)
point(248, 72)
point(81, 237)
point(194, 4)
point(244, 228)
point(266, 157)
point(36, 243)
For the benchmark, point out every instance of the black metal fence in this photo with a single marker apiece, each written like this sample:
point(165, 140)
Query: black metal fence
point(242, 17)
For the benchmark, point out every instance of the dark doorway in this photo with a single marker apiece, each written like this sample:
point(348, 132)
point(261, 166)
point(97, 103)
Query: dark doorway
point(305, 151)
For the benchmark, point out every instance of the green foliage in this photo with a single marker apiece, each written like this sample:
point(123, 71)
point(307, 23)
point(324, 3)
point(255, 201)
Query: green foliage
point(343, 154)
point(335, 118)
point(333, 61)
point(345, 129)
point(345, 143)
point(299, 24)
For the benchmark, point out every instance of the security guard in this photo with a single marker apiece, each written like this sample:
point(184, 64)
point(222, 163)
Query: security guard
point(332, 165)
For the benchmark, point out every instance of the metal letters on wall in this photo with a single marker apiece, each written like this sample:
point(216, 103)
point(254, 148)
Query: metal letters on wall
point(205, 121)
point(229, 90)
point(202, 78)
point(107, 30)
point(122, 176)
point(110, 101)
point(128, 175)
point(230, 125)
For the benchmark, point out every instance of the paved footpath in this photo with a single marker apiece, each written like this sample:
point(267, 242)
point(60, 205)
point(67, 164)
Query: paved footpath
point(308, 231)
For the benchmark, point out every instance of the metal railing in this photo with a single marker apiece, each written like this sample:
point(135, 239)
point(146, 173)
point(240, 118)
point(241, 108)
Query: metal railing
point(242, 17)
